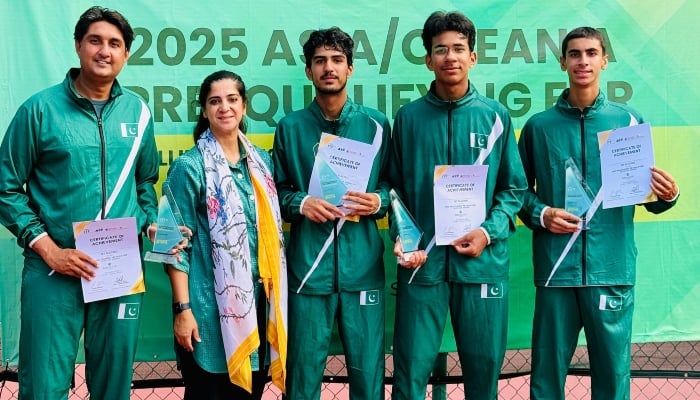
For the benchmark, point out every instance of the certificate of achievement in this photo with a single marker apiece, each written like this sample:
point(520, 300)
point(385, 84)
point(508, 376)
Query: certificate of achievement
point(113, 243)
point(459, 193)
point(626, 156)
point(341, 164)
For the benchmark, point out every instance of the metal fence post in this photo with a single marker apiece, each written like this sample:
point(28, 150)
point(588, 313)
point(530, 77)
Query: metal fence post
point(440, 371)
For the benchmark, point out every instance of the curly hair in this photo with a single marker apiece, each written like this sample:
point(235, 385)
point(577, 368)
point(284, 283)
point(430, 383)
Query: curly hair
point(332, 38)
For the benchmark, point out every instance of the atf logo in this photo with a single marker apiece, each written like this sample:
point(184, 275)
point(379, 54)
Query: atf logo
point(491, 290)
point(610, 303)
point(128, 311)
point(130, 129)
point(369, 297)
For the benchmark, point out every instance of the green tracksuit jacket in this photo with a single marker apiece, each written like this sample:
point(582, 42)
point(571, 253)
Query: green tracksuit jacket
point(605, 254)
point(353, 261)
point(59, 164)
point(76, 167)
point(430, 132)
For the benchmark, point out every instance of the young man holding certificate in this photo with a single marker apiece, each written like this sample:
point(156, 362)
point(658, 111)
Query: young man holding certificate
point(82, 150)
point(453, 153)
point(328, 160)
point(585, 258)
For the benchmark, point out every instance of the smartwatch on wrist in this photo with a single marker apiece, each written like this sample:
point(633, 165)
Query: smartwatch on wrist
point(180, 307)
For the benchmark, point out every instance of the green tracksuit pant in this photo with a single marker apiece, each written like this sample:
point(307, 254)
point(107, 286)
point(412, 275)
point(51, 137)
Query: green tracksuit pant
point(360, 319)
point(53, 317)
point(480, 321)
point(605, 314)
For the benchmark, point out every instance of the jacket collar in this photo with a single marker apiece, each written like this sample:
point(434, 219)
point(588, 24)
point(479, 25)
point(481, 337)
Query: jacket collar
point(315, 109)
point(69, 84)
point(564, 106)
point(432, 97)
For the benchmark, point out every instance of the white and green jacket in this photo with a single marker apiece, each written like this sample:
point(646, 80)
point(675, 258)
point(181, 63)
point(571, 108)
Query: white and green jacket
point(605, 254)
point(60, 163)
point(472, 130)
point(353, 259)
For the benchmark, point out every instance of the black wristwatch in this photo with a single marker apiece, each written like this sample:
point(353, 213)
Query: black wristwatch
point(180, 307)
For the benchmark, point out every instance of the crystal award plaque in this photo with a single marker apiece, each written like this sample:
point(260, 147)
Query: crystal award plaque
point(168, 234)
point(578, 196)
point(409, 232)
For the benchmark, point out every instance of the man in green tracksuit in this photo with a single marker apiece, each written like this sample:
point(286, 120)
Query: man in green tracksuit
point(78, 151)
point(453, 125)
point(584, 277)
point(335, 267)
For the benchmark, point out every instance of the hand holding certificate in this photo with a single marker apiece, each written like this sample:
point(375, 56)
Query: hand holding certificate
point(626, 158)
point(341, 165)
point(459, 193)
point(113, 243)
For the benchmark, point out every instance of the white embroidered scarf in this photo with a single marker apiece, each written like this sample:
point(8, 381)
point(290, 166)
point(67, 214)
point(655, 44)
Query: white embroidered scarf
point(233, 280)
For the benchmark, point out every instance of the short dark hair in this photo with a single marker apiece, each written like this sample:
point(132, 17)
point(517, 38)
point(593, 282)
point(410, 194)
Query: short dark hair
point(97, 14)
point(439, 22)
point(332, 38)
point(582, 32)
point(205, 89)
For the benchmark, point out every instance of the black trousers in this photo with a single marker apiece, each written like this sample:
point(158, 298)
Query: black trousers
point(204, 385)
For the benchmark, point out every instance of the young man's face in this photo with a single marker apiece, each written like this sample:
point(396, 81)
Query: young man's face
point(583, 61)
point(329, 70)
point(102, 52)
point(450, 59)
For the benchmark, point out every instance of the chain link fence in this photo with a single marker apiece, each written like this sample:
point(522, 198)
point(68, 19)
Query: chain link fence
point(660, 371)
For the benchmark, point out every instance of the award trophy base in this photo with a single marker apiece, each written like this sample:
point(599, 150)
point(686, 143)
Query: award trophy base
point(164, 258)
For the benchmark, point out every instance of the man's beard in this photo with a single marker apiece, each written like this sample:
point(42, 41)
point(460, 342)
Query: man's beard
point(324, 90)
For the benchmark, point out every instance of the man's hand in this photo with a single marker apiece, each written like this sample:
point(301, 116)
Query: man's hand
point(320, 211)
point(185, 329)
point(360, 203)
point(415, 260)
point(471, 244)
point(556, 220)
point(663, 184)
point(69, 262)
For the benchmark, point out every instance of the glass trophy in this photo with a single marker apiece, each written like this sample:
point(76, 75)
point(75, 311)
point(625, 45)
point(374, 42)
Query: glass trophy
point(578, 196)
point(332, 186)
point(168, 234)
point(409, 232)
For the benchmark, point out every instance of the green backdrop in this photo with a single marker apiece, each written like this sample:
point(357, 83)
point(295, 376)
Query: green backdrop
point(654, 56)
